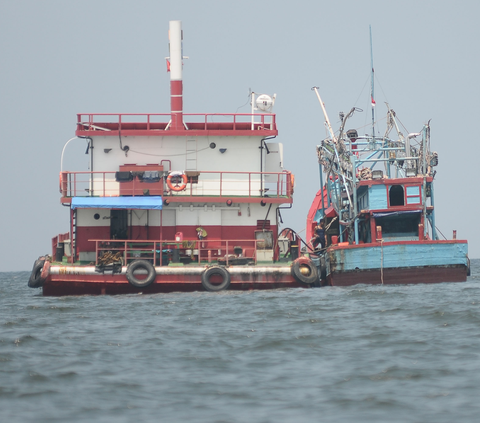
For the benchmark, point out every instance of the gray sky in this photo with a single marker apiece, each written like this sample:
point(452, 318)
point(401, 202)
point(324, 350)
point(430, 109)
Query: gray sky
point(59, 58)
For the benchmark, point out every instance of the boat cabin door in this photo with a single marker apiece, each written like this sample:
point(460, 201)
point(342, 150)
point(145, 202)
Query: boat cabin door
point(118, 224)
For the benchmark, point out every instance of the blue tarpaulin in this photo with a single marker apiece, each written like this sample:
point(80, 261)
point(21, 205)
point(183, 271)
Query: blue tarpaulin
point(147, 202)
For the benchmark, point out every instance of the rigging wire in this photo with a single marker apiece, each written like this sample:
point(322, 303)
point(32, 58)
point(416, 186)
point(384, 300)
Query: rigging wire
point(381, 88)
point(248, 99)
point(440, 231)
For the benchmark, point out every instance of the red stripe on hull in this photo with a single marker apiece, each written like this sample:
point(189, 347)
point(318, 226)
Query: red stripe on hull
point(402, 276)
point(60, 285)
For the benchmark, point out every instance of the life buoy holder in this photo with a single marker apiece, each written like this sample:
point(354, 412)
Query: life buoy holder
point(304, 271)
point(137, 265)
point(222, 274)
point(292, 184)
point(40, 272)
point(177, 181)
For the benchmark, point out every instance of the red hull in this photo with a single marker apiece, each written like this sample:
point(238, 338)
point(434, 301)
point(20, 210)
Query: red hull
point(60, 285)
point(400, 276)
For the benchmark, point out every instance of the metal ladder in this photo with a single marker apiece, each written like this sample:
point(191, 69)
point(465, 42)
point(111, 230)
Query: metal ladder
point(191, 154)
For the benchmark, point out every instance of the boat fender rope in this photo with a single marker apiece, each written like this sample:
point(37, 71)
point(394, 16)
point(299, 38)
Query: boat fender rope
point(177, 181)
point(323, 271)
point(137, 265)
point(214, 287)
point(304, 271)
point(381, 261)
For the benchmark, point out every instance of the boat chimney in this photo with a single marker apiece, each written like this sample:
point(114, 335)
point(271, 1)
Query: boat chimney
point(176, 84)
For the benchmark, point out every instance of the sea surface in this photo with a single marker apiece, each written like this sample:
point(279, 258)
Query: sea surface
point(406, 353)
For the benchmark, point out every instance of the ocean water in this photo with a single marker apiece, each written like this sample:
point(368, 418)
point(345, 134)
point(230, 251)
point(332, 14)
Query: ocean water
point(359, 354)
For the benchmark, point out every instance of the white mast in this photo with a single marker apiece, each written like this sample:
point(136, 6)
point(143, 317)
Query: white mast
point(176, 82)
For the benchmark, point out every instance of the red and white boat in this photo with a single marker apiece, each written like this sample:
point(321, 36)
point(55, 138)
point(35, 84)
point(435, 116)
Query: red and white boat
point(176, 202)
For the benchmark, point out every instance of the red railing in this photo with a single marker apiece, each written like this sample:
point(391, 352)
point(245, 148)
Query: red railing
point(204, 184)
point(87, 122)
point(160, 253)
point(57, 240)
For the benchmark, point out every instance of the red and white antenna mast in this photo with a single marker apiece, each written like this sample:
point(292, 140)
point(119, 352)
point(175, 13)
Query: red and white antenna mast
point(176, 83)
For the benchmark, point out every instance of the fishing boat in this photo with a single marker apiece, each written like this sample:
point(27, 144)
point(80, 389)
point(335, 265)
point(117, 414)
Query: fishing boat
point(375, 210)
point(176, 202)
point(188, 202)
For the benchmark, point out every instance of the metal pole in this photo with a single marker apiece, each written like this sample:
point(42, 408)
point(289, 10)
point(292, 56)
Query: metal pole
point(321, 188)
point(372, 93)
point(327, 120)
point(434, 229)
point(355, 211)
point(327, 183)
point(424, 171)
point(253, 110)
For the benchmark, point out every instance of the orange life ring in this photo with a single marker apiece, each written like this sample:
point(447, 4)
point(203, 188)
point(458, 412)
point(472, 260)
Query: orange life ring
point(175, 185)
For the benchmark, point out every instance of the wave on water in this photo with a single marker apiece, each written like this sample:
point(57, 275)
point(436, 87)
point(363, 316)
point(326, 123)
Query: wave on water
point(361, 353)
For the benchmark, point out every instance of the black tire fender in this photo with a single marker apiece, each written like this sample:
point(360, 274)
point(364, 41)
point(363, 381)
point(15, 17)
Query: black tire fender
point(304, 271)
point(38, 275)
point(137, 265)
point(216, 270)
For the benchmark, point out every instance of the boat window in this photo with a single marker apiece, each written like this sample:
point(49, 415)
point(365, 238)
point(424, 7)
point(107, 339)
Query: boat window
point(396, 195)
point(402, 224)
point(413, 195)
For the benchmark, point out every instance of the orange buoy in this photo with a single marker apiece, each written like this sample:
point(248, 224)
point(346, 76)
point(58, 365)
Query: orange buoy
point(177, 181)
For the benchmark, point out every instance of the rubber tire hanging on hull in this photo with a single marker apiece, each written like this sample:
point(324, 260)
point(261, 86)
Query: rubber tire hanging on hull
point(141, 264)
point(215, 270)
point(38, 275)
point(305, 263)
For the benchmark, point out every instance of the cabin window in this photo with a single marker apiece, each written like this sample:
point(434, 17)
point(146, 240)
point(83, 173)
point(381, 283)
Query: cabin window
point(413, 195)
point(399, 225)
point(396, 196)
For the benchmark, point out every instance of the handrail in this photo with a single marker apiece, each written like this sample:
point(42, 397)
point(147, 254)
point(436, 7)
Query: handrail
point(153, 250)
point(87, 122)
point(209, 184)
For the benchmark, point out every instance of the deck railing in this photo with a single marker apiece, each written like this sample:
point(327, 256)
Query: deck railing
point(203, 184)
point(161, 253)
point(108, 122)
